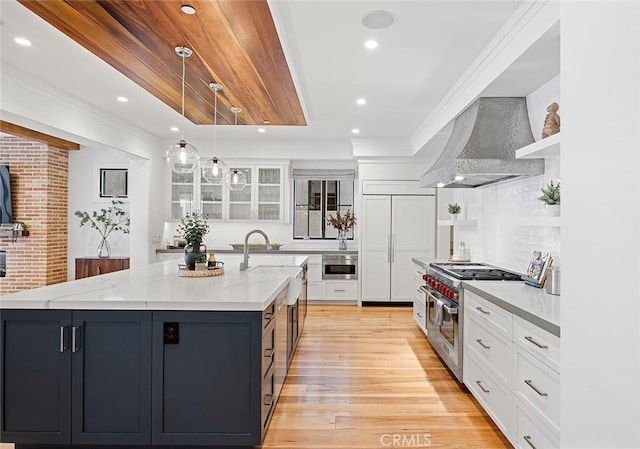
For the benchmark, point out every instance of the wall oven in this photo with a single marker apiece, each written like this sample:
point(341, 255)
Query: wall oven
point(340, 266)
point(444, 303)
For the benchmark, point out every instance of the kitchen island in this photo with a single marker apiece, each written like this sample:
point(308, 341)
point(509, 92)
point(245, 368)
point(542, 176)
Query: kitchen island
point(145, 358)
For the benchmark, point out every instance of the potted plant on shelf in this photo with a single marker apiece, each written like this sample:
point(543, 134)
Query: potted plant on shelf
point(454, 210)
point(343, 223)
point(193, 227)
point(108, 220)
point(551, 198)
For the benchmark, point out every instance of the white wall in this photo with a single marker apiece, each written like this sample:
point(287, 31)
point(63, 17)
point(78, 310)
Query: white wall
point(502, 236)
point(600, 404)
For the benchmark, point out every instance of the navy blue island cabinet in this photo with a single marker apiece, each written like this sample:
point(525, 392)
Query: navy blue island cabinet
point(135, 379)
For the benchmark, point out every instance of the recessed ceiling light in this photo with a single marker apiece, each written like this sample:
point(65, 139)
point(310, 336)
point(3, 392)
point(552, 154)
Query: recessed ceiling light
point(361, 101)
point(266, 122)
point(22, 41)
point(355, 131)
point(188, 9)
point(459, 178)
point(440, 184)
point(377, 20)
point(262, 130)
point(123, 99)
point(371, 44)
point(175, 129)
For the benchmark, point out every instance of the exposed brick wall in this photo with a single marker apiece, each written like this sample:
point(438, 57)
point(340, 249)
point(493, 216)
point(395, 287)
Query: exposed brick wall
point(39, 187)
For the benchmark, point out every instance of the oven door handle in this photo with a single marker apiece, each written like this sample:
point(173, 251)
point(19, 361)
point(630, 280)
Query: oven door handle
point(424, 290)
point(450, 310)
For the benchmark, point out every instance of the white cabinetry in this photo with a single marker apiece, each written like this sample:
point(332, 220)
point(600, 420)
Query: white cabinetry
point(419, 299)
point(512, 368)
point(395, 228)
point(262, 199)
point(328, 290)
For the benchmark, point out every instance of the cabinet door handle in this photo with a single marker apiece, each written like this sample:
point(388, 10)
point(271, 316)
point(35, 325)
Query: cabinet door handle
point(339, 290)
point(75, 337)
point(529, 441)
point(482, 344)
point(268, 352)
point(531, 340)
point(419, 314)
point(393, 248)
point(534, 388)
point(63, 331)
point(268, 315)
point(483, 311)
point(389, 249)
point(481, 387)
point(268, 399)
point(99, 270)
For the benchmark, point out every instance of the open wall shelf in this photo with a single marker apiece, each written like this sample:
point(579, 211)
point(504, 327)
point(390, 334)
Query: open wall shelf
point(549, 147)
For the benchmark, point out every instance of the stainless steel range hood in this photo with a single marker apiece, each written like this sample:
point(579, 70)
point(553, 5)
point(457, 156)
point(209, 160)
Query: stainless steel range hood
point(483, 144)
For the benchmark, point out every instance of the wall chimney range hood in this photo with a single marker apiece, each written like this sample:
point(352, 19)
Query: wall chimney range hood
point(482, 147)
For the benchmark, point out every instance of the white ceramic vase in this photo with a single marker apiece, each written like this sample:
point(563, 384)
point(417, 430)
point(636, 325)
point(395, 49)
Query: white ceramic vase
point(552, 210)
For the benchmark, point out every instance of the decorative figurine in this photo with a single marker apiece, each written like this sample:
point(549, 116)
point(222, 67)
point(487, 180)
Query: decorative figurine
point(551, 121)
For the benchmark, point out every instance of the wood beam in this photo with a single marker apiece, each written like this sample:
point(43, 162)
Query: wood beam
point(20, 131)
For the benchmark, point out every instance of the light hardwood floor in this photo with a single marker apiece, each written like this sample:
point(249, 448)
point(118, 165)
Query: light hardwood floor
point(367, 378)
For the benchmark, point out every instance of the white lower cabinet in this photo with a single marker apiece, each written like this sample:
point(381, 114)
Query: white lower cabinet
point(419, 299)
point(492, 394)
point(511, 366)
point(341, 290)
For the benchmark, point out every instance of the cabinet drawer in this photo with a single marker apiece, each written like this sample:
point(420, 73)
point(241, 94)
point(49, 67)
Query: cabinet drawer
point(268, 398)
point(268, 350)
point(496, 317)
point(419, 312)
point(314, 290)
point(490, 347)
point(495, 398)
point(340, 290)
point(314, 273)
point(538, 386)
point(531, 433)
point(268, 315)
point(538, 342)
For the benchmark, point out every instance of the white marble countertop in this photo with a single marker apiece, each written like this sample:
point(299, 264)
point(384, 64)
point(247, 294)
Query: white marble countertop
point(158, 287)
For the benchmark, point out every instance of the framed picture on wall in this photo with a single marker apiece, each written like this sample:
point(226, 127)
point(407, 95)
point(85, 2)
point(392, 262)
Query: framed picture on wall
point(114, 183)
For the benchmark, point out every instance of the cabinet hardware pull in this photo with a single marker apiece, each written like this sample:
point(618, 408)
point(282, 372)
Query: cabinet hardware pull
point(531, 340)
point(419, 314)
point(389, 249)
point(268, 352)
point(393, 248)
point(534, 388)
point(74, 330)
point(268, 399)
point(529, 441)
point(339, 290)
point(445, 348)
point(483, 311)
point(482, 344)
point(268, 315)
point(99, 270)
point(481, 387)
point(62, 346)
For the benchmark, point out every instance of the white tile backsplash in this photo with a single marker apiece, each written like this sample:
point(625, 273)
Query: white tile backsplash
point(505, 235)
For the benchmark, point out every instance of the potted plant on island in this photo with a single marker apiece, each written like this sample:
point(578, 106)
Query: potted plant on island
point(454, 210)
point(551, 198)
point(193, 227)
point(112, 218)
point(343, 223)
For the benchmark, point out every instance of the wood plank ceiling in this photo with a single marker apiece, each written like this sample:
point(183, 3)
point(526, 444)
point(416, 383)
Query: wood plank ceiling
point(234, 43)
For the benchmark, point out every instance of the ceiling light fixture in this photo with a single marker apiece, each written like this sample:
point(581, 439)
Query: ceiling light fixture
point(175, 129)
point(22, 41)
point(214, 170)
point(440, 184)
point(262, 130)
point(361, 101)
point(183, 157)
point(237, 178)
point(376, 20)
point(188, 9)
point(122, 99)
point(459, 178)
point(371, 44)
point(355, 131)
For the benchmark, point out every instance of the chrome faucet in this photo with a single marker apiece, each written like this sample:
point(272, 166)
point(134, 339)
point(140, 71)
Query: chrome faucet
point(245, 265)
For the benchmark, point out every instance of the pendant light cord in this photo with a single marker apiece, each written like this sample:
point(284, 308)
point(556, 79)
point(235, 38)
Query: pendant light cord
point(183, 74)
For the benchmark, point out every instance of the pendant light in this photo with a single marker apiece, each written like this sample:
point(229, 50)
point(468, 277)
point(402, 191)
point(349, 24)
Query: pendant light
point(214, 170)
point(183, 157)
point(237, 178)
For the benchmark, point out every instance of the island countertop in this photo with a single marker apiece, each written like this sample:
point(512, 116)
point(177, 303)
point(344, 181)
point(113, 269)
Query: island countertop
point(158, 287)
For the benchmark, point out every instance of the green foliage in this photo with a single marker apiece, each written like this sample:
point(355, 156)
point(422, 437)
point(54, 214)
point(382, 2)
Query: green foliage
point(113, 218)
point(454, 208)
point(193, 227)
point(550, 193)
point(201, 258)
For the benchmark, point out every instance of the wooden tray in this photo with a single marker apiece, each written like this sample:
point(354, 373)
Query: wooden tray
point(209, 272)
point(459, 260)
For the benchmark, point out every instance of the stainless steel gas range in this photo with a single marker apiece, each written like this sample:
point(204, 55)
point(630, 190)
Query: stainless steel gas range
point(445, 301)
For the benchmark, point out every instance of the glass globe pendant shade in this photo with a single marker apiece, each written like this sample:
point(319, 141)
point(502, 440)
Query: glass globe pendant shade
point(183, 157)
point(237, 180)
point(215, 171)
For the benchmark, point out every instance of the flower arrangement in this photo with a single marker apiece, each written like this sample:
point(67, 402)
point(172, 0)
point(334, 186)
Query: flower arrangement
point(193, 227)
point(343, 223)
point(550, 193)
point(113, 218)
point(454, 208)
